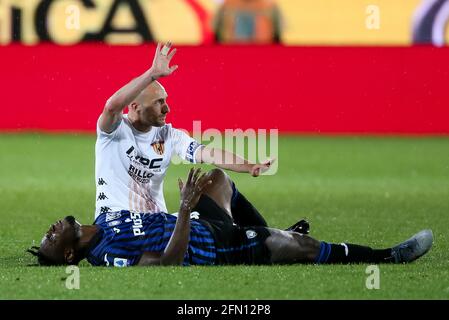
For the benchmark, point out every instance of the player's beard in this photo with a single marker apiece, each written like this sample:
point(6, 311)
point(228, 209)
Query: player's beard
point(162, 120)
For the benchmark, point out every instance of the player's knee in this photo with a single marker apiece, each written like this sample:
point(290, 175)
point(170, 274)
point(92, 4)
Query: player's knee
point(221, 182)
point(309, 246)
point(218, 176)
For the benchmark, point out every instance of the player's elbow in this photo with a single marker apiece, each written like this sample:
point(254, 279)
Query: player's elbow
point(112, 107)
point(208, 155)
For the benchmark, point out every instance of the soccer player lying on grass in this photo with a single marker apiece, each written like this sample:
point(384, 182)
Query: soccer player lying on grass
point(202, 234)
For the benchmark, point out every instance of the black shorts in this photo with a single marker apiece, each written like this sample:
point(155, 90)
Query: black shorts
point(234, 244)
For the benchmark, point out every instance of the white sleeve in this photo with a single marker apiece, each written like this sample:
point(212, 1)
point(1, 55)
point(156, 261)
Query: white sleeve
point(113, 134)
point(184, 146)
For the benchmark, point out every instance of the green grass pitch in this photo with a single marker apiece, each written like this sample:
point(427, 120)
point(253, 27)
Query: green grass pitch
point(369, 190)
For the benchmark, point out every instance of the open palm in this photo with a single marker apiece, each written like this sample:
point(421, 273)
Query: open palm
point(161, 62)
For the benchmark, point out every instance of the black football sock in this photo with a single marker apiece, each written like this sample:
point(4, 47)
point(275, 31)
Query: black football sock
point(243, 212)
point(351, 253)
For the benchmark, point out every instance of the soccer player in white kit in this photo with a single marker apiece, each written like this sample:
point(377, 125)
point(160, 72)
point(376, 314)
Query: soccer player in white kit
point(133, 151)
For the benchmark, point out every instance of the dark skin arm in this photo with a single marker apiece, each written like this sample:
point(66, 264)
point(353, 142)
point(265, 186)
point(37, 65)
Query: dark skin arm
point(177, 245)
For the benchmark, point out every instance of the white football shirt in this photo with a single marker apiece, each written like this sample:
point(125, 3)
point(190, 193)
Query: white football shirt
point(130, 166)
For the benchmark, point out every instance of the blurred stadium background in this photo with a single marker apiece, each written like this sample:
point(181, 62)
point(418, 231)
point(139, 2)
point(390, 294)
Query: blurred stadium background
point(347, 66)
point(329, 75)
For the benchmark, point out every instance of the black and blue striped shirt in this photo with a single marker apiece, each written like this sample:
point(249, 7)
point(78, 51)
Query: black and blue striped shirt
point(124, 236)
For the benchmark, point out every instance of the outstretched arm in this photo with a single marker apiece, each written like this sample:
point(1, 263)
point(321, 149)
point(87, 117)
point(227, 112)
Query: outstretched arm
point(114, 106)
point(177, 245)
point(227, 160)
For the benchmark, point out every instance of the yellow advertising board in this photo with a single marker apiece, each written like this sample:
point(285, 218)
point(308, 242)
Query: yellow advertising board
point(303, 22)
point(348, 21)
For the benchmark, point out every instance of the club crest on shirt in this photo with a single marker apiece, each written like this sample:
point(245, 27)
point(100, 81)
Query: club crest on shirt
point(112, 216)
point(250, 234)
point(158, 147)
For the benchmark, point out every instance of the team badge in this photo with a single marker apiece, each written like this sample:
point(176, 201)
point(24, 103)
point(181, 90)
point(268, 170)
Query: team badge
point(251, 234)
point(158, 147)
point(112, 216)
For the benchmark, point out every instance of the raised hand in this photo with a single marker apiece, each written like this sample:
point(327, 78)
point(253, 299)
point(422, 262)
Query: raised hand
point(161, 62)
point(193, 188)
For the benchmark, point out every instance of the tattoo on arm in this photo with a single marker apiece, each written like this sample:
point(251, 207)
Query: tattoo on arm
point(115, 124)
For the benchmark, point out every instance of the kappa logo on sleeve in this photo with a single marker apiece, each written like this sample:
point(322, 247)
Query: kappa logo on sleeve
point(102, 196)
point(194, 215)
